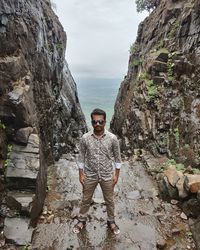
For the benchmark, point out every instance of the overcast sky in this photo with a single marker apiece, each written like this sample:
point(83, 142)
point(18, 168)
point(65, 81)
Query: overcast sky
point(99, 35)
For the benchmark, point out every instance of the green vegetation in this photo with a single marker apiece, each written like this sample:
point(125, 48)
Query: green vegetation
point(26, 247)
point(170, 71)
point(196, 170)
point(135, 62)
point(151, 90)
point(189, 234)
point(179, 166)
point(177, 136)
point(160, 45)
point(148, 5)
point(133, 48)
point(7, 161)
point(173, 30)
point(2, 125)
point(59, 47)
point(142, 76)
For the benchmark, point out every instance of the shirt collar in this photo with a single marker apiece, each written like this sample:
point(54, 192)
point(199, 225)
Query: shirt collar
point(104, 134)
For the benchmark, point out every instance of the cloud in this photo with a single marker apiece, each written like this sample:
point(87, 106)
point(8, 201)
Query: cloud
point(99, 34)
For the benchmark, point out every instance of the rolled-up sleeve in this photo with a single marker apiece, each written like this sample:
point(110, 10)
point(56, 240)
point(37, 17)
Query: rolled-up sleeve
point(81, 156)
point(116, 153)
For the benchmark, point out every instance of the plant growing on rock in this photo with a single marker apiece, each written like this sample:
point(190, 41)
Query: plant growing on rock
point(133, 48)
point(170, 72)
point(135, 62)
point(7, 161)
point(151, 90)
point(179, 166)
point(148, 5)
point(173, 30)
point(2, 125)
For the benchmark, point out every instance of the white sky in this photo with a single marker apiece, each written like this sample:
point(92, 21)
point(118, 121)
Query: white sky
point(99, 35)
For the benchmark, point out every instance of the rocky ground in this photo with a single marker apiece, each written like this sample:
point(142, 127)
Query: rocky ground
point(146, 222)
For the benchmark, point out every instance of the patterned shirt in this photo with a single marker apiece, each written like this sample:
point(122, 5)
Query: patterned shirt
point(97, 155)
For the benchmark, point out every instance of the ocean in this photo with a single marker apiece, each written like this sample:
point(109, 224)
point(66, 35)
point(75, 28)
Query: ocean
point(98, 93)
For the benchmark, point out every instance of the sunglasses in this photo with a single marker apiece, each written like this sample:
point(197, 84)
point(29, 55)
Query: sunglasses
point(100, 122)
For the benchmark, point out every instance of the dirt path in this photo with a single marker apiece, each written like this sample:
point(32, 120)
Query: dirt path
point(145, 221)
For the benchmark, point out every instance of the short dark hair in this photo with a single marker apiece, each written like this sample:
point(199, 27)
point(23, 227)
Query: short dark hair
point(98, 112)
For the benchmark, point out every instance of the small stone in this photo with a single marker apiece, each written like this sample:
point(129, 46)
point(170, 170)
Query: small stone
point(175, 231)
point(22, 135)
point(134, 195)
point(174, 202)
point(183, 216)
point(192, 183)
point(49, 212)
point(57, 220)
point(198, 195)
point(44, 212)
point(161, 244)
point(42, 217)
point(172, 175)
point(50, 218)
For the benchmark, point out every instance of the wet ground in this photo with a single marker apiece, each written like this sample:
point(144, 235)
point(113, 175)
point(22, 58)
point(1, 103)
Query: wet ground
point(145, 221)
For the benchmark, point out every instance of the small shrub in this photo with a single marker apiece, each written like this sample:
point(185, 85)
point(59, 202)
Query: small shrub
point(148, 5)
point(151, 90)
point(8, 160)
point(180, 167)
point(173, 30)
point(133, 48)
point(196, 170)
point(171, 162)
point(170, 71)
point(135, 62)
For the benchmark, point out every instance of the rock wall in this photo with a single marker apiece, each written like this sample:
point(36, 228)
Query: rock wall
point(38, 96)
point(158, 104)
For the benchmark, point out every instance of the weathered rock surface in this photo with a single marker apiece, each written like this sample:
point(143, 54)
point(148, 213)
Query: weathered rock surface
point(22, 135)
point(40, 114)
point(192, 183)
point(17, 231)
point(23, 167)
point(158, 103)
point(146, 222)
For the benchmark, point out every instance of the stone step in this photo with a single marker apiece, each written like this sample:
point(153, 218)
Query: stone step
point(21, 201)
point(23, 167)
point(17, 231)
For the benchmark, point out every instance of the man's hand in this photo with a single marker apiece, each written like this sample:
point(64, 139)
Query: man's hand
point(116, 177)
point(81, 176)
point(115, 180)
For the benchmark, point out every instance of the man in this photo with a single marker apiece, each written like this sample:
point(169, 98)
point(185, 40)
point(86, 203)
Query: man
point(98, 147)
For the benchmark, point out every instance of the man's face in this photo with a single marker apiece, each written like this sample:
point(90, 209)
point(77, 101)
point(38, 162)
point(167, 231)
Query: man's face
point(98, 122)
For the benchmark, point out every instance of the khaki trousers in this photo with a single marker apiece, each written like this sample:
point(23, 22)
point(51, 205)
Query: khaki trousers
point(88, 191)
